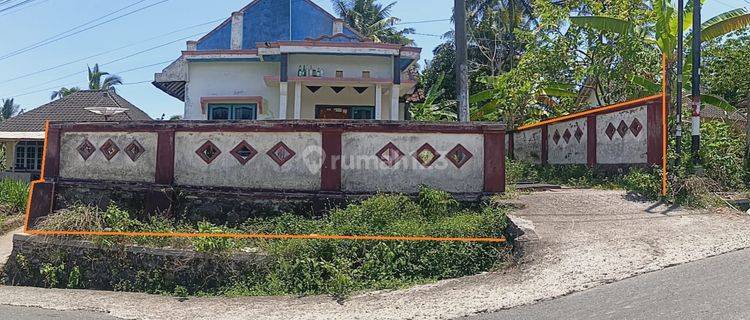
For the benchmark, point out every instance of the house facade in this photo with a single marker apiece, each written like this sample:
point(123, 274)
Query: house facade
point(22, 136)
point(289, 59)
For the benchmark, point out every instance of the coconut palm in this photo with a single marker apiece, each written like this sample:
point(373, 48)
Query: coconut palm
point(63, 92)
point(100, 80)
point(9, 109)
point(663, 34)
point(373, 20)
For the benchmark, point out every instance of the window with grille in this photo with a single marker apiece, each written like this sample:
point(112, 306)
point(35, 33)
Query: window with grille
point(29, 155)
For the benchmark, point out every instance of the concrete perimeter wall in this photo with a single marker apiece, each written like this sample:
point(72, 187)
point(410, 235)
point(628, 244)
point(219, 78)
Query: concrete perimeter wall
point(321, 159)
point(620, 135)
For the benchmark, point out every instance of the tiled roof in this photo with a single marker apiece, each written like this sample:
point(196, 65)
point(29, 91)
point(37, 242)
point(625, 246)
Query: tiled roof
point(71, 109)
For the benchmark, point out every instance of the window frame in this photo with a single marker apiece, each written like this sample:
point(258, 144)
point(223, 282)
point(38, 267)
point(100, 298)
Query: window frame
point(21, 154)
point(232, 110)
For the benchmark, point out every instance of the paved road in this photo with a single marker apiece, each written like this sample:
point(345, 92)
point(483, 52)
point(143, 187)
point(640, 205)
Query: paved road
point(713, 288)
point(27, 313)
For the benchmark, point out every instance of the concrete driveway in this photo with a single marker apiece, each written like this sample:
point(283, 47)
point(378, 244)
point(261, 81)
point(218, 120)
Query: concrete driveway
point(584, 239)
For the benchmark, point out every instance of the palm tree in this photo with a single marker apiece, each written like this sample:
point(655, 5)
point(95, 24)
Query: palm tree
point(9, 109)
point(63, 92)
point(108, 82)
point(373, 20)
point(663, 34)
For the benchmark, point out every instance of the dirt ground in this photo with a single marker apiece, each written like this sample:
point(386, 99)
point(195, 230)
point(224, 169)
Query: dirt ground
point(581, 239)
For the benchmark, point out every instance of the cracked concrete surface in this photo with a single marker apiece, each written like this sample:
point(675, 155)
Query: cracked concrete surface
point(584, 238)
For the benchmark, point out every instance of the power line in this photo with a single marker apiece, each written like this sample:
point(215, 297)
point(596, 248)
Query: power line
point(62, 35)
point(16, 5)
point(79, 83)
point(108, 51)
point(421, 21)
point(116, 60)
point(19, 9)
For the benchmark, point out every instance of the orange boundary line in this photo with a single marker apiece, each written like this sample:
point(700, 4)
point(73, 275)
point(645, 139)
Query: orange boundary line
point(258, 236)
point(664, 102)
point(590, 111)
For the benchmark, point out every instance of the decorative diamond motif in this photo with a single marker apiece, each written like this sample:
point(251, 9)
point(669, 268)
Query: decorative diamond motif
point(459, 156)
point(567, 136)
point(578, 134)
point(556, 136)
point(610, 131)
point(243, 152)
point(426, 155)
point(622, 129)
point(208, 152)
point(280, 153)
point(390, 154)
point(109, 149)
point(636, 127)
point(134, 150)
point(86, 149)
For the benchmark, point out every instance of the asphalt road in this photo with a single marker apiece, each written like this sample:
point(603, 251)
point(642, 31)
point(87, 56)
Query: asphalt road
point(30, 313)
point(713, 288)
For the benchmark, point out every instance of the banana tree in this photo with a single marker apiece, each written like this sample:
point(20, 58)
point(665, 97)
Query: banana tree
point(663, 34)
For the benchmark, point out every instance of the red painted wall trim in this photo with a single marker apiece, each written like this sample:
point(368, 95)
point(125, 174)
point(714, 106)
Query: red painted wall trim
point(165, 147)
point(232, 99)
point(494, 161)
point(654, 131)
point(595, 111)
point(52, 154)
point(330, 174)
point(591, 140)
point(545, 146)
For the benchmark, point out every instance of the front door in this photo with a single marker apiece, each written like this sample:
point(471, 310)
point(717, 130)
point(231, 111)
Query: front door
point(345, 112)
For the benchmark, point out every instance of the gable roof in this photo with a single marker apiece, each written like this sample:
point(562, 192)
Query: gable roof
point(71, 109)
point(277, 20)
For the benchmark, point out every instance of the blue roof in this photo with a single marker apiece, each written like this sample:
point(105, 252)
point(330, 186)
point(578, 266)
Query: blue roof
point(277, 20)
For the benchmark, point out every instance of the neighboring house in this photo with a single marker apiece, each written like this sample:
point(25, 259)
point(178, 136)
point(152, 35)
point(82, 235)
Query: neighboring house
point(23, 135)
point(251, 67)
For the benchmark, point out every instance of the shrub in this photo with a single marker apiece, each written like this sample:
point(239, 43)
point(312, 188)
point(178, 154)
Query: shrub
point(13, 196)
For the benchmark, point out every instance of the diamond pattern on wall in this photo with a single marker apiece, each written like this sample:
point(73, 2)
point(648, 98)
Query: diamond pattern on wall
point(459, 156)
point(208, 152)
point(636, 127)
point(610, 131)
point(134, 150)
point(109, 149)
point(578, 134)
point(280, 153)
point(390, 154)
point(567, 136)
point(243, 152)
point(556, 136)
point(622, 129)
point(86, 149)
point(426, 155)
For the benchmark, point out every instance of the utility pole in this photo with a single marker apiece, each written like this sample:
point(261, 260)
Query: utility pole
point(680, 67)
point(696, 86)
point(462, 69)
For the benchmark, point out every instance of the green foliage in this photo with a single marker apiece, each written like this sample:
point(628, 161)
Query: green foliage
point(304, 266)
point(13, 196)
point(373, 20)
point(430, 110)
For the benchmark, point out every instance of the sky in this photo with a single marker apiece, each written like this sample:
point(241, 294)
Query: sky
point(142, 43)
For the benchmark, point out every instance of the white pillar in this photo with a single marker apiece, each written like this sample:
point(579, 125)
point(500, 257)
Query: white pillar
point(237, 30)
point(395, 94)
point(283, 88)
point(298, 100)
point(378, 102)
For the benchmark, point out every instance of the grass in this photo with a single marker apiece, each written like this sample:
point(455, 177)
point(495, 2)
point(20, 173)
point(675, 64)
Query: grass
point(336, 267)
point(13, 196)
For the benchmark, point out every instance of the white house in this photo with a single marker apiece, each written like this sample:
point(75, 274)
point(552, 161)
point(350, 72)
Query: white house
point(289, 59)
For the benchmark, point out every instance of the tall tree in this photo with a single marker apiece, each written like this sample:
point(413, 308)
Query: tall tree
point(373, 20)
point(9, 109)
point(100, 80)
